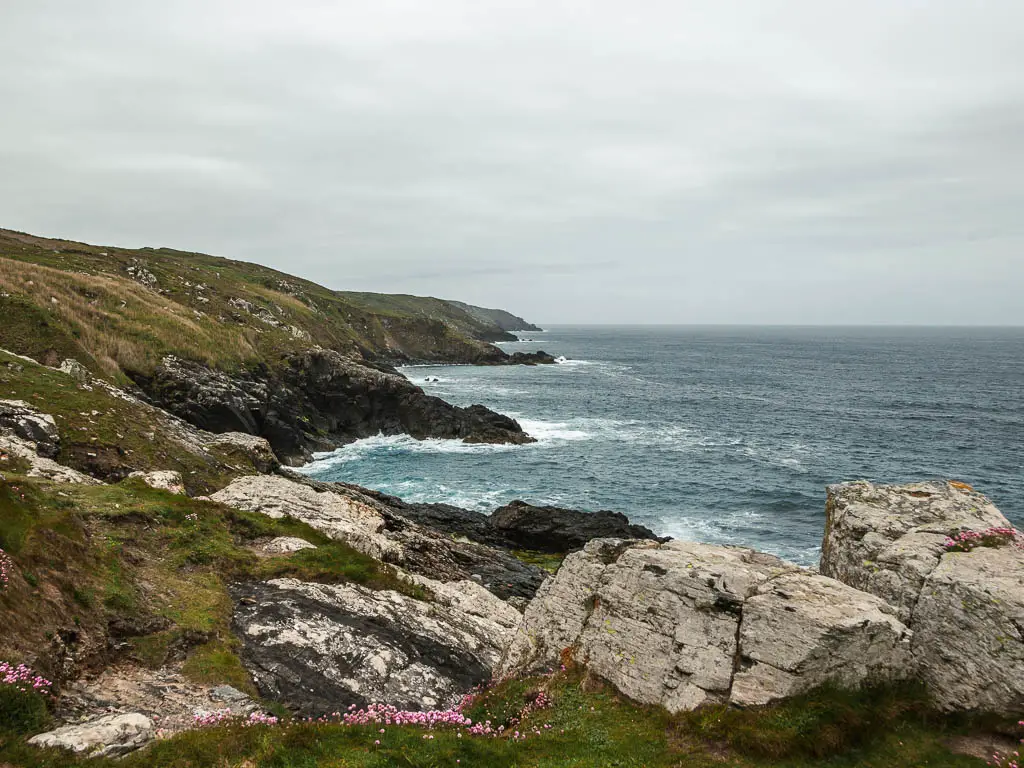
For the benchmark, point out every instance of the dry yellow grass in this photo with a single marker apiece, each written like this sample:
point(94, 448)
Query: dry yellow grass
point(123, 325)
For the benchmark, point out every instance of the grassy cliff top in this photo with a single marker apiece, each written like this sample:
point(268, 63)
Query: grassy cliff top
point(119, 309)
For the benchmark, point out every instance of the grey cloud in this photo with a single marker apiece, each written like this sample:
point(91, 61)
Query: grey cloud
point(591, 162)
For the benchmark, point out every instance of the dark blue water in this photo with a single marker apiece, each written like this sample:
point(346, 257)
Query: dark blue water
point(724, 435)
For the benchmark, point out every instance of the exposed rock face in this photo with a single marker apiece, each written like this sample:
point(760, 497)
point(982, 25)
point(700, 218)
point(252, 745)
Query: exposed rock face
point(551, 529)
point(20, 419)
point(342, 517)
point(681, 624)
point(316, 400)
point(105, 736)
point(256, 449)
point(367, 523)
point(284, 545)
point(320, 648)
point(31, 436)
point(162, 479)
point(164, 695)
point(966, 608)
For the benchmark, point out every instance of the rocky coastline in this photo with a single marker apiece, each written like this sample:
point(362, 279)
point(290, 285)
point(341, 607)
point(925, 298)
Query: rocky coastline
point(922, 581)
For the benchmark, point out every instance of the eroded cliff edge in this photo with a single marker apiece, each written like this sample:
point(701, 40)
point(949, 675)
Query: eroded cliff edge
point(233, 346)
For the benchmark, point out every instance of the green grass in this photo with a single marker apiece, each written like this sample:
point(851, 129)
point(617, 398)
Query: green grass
point(136, 554)
point(549, 562)
point(589, 728)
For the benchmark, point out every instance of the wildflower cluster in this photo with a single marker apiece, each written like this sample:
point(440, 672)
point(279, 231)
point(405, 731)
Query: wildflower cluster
point(965, 541)
point(1015, 760)
point(192, 517)
point(226, 716)
point(6, 568)
point(23, 679)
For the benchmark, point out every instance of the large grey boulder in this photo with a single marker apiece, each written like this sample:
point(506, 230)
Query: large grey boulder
point(681, 624)
point(966, 609)
point(105, 736)
point(320, 648)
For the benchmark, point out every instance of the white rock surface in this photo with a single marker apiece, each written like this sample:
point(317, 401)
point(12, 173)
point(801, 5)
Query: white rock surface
point(105, 736)
point(40, 466)
point(681, 624)
point(966, 609)
point(357, 524)
point(284, 545)
point(163, 480)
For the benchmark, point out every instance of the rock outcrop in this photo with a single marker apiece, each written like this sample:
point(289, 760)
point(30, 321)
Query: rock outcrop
point(683, 624)
point(32, 436)
point(966, 608)
point(106, 736)
point(552, 529)
point(256, 450)
point(365, 522)
point(162, 479)
point(316, 400)
point(164, 695)
point(284, 545)
point(321, 648)
point(19, 419)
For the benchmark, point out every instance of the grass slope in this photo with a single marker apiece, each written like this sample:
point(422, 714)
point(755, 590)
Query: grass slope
point(119, 310)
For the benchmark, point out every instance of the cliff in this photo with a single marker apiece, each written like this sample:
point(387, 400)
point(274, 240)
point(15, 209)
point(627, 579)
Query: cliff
point(232, 346)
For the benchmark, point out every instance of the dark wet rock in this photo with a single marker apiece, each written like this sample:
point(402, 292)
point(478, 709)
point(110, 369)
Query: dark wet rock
point(321, 648)
point(556, 530)
point(316, 400)
point(531, 358)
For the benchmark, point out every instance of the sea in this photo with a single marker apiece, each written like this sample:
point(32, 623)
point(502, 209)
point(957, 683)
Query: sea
point(720, 434)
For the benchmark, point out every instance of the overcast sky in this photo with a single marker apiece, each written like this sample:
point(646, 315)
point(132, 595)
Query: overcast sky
point(766, 161)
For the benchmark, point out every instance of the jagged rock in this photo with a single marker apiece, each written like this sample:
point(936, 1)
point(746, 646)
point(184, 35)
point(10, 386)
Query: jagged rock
point(552, 529)
point(256, 449)
point(320, 648)
point(681, 624)
point(519, 525)
point(315, 400)
point(20, 419)
point(284, 545)
point(75, 370)
point(163, 480)
point(966, 608)
point(105, 736)
point(366, 522)
point(40, 466)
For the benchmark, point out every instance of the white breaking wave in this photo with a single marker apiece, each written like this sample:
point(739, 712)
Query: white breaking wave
point(553, 431)
point(394, 444)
